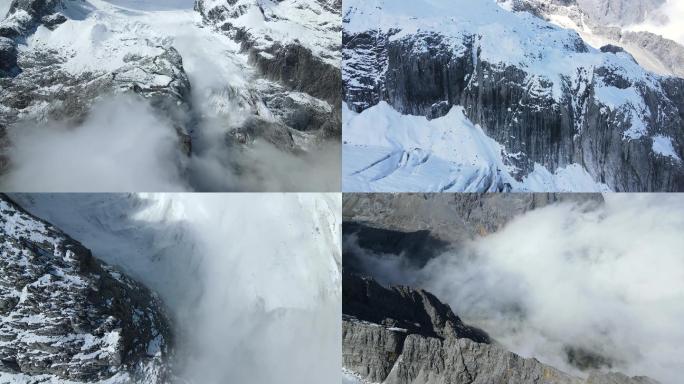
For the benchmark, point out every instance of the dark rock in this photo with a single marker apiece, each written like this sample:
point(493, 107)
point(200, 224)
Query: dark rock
point(52, 21)
point(8, 57)
point(612, 48)
point(413, 311)
point(421, 245)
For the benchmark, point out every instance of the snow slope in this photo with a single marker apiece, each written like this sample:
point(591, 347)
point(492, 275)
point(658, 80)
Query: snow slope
point(4, 7)
point(387, 151)
point(305, 22)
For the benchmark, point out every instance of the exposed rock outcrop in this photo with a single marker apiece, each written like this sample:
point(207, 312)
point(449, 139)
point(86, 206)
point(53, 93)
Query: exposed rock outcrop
point(435, 347)
point(64, 315)
point(22, 19)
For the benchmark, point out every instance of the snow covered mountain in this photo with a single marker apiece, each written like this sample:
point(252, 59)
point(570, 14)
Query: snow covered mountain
point(623, 24)
point(486, 98)
point(232, 96)
point(244, 276)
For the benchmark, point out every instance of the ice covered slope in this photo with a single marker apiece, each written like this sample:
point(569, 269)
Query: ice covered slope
point(537, 89)
point(405, 153)
point(67, 317)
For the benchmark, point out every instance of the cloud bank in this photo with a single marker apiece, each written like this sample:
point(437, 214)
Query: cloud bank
point(562, 283)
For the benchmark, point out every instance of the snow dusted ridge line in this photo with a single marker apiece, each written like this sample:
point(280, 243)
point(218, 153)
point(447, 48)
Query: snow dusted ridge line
point(313, 24)
point(294, 42)
point(538, 90)
point(610, 23)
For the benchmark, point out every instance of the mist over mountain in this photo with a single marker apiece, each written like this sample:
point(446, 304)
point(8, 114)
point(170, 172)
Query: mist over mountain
point(586, 287)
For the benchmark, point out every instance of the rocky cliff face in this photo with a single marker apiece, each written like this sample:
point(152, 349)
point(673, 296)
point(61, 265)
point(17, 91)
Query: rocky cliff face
point(601, 111)
point(66, 316)
point(293, 43)
point(399, 336)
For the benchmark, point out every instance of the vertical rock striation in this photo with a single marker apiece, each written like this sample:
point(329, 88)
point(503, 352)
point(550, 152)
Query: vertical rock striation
point(601, 110)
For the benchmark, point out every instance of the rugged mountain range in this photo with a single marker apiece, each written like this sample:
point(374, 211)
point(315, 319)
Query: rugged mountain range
point(452, 218)
point(65, 316)
point(294, 43)
point(409, 336)
point(477, 97)
point(222, 77)
point(401, 334)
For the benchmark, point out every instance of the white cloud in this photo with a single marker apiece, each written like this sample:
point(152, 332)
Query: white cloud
point(666, 21)
point(121, 146)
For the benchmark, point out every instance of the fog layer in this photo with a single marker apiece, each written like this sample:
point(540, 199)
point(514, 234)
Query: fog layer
point(666, 21)
point(120, 146)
